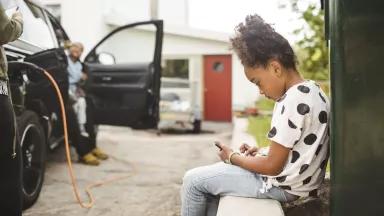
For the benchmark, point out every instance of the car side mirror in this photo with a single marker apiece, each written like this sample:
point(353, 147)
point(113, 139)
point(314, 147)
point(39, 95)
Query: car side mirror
point(106, 58)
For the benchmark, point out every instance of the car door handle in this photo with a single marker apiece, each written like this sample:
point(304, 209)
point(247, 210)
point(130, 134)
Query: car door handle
point(106, 78)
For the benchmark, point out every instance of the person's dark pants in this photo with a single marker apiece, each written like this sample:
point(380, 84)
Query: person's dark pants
point(83, 145)
point(10, 167)
point(80, 143)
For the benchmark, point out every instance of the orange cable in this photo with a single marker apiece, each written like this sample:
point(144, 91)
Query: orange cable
point(68, 156)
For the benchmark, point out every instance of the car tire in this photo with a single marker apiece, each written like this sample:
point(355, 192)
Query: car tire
point(196, 126)
point(33, 154)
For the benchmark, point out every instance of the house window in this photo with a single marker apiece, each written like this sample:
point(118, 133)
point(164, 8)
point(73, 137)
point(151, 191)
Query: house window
point(176, 68)
point(218, 67)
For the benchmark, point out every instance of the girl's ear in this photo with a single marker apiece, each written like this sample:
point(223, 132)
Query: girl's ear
point(275, 66)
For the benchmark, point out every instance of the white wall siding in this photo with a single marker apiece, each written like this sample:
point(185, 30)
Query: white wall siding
point(179, 45)
point(196, 80)
point(244, 93)
point(174, 12)
point(88, 21)
point(82, 22)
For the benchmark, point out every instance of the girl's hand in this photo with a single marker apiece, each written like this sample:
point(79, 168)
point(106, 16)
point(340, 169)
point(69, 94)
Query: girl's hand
point(244, 147)
point(225, 152)
point(248, 150)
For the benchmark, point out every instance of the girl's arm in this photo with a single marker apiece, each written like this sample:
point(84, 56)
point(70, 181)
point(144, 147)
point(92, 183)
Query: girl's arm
point(271, 165)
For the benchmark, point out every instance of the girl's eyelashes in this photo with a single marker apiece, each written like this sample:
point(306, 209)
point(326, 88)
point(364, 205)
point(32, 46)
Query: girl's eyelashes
point(255, 81)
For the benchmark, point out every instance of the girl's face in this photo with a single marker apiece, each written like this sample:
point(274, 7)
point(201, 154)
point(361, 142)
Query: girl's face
point(269, 79)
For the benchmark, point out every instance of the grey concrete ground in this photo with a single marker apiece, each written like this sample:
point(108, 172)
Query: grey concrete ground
point(160, 162)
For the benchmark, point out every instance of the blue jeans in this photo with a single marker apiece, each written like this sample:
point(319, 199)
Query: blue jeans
point(203, 187)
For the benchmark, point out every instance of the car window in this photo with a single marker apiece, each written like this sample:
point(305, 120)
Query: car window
point(36, 29)
point(171, 96)
point(174, 83)
point(132, 45)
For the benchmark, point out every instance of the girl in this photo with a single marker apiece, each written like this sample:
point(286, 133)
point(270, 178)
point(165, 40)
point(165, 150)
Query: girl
point(298, 153)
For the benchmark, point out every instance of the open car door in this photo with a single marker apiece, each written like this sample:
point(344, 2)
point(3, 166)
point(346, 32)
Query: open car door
point(124, 71)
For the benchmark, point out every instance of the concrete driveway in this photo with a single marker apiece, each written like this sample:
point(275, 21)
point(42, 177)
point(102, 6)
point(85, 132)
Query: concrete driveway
point(159, 161)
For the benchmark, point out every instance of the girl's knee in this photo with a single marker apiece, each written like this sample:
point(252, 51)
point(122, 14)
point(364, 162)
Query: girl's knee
point(193, 178)
point(191, 175)
point(199, 173)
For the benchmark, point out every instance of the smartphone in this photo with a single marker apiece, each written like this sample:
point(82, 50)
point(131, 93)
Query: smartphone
point(218, 145)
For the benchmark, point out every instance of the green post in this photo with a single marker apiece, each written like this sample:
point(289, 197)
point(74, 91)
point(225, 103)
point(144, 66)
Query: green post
point(356, 33)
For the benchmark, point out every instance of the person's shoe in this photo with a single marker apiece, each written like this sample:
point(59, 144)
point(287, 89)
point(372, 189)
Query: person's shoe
point(97, 152)
point(90, 159)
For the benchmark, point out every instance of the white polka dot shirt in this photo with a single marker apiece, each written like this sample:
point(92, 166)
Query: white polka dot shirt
point(300, 122)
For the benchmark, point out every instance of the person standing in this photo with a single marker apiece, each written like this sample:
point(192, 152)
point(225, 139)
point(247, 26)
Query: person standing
point(10, 156)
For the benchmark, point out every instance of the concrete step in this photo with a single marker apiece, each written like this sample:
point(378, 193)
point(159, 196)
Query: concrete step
point(240, 206)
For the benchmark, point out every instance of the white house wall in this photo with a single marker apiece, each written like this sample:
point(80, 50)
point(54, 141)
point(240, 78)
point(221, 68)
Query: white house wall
point(178, 45)
point(244, 93)
point(174, 12)
point(195, 68)
point(82, 22)
point(85, 21)
point(135, 10)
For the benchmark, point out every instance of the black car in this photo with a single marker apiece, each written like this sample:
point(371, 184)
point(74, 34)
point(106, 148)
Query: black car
point(121, 91)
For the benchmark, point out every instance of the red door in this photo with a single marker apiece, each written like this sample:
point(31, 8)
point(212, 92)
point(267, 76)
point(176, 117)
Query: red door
point(218, 88)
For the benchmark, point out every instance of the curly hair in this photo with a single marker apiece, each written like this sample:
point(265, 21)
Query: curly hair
point(256, 42)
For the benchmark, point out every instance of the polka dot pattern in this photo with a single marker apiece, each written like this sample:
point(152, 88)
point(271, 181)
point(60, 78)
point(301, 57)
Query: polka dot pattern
point(303, 168)
point(291, 124)
point(303, 88)
point(272, 132)
point(323, 164)
point(281, 179)
point(310, 139)
point(322, 97)
point(295, 156)
point(299, 123)
point(318, 149)
point(285, 187)
point(303, 109)
point(323, 117)
point(307, 180)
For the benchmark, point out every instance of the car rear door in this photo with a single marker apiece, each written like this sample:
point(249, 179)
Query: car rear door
point(124, 71)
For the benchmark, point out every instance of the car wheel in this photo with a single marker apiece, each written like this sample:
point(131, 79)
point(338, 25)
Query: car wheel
point(33, 152)
point(196, 126)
